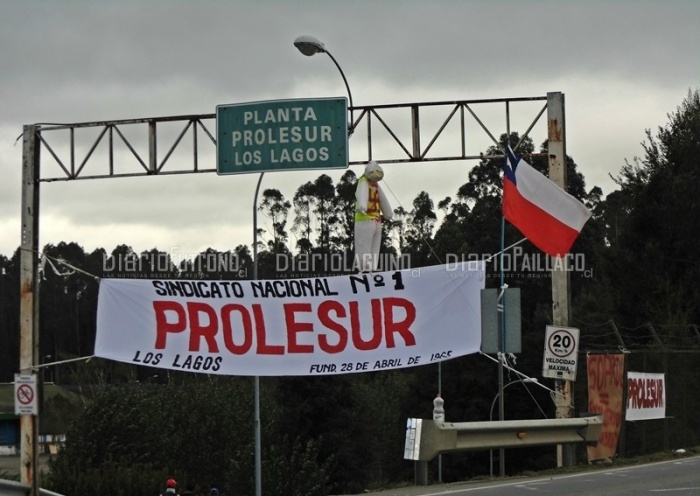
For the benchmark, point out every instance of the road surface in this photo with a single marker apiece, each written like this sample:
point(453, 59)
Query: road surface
point(676, 477)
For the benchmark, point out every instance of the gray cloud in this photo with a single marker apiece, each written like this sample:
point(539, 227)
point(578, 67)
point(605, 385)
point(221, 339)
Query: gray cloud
point(623, 66)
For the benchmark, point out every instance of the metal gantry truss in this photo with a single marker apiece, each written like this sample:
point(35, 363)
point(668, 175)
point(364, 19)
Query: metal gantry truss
point(74, 147)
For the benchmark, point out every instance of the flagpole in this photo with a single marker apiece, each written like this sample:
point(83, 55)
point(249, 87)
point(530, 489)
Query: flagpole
point(501, 342)
point(502, 282)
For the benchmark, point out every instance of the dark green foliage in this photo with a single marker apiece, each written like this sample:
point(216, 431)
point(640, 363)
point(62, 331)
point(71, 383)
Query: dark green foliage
point(318, 433)
point(418, 233)
point(198, 431)
point(295, 468)
point(118, 479)
point(276, 208)
point(9, 316)
point(345, 211)
point(656, 262)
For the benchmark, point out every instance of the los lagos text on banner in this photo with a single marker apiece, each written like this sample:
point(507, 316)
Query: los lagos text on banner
point(327, 325)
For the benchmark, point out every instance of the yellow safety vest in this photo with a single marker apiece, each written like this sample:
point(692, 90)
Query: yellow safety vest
point(373, 210)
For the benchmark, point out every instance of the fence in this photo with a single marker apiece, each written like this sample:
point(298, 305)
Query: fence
point(673, 350)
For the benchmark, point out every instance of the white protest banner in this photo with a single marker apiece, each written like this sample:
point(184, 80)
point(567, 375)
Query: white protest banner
point(646, 396)
point(282, 327)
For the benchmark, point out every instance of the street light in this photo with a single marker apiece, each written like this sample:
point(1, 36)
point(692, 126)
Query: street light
point(501, 451)
point(256, 380)
point(308, 45)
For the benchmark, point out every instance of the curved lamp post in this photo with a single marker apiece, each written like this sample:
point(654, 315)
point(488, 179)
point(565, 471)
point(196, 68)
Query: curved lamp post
point(256, 381)
point(502, 460)
point(308, 45)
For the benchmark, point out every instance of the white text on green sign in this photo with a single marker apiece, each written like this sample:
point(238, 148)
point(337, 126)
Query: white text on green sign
point(281, 135)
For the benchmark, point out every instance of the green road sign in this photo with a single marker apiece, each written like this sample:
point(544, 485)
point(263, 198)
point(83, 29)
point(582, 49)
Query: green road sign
point(282, 135)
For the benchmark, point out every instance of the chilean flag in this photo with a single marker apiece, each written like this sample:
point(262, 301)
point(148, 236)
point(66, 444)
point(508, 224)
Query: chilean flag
point(544, 213)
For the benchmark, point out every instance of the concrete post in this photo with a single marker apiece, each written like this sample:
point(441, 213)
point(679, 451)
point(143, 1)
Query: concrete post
point(29, 299)
point(561, 296)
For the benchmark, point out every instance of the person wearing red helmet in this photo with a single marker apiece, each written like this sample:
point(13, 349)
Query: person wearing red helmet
point(170, 488)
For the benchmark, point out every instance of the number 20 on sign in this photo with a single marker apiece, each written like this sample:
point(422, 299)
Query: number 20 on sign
point(560, 353)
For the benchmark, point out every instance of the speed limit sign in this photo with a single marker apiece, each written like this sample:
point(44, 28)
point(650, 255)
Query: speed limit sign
point(560, 353)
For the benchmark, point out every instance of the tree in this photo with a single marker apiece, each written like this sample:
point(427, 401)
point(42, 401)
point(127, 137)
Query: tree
point(396, 228)
point(342, 241)
point(122, 262)
point(473, 223)
point(324, 202)
point(655, 262)
point(64, 302)
point(315, 204)
point(9, 316)
point(419, 231)
point(275, 207)
point(303, 208)
point(198, 431)
point(158, 264)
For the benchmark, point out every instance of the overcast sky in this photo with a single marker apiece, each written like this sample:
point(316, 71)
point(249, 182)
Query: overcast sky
point(622, 66)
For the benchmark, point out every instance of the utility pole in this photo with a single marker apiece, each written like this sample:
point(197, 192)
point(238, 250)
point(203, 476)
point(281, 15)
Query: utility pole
point(561, 295)
point(29, 300)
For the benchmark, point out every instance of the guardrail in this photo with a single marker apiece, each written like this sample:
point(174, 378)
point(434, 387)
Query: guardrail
point(425, 439)
point(14, 488)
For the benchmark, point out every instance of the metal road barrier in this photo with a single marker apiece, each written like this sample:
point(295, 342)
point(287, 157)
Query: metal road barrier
point(14, 488)
point(425, 439)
